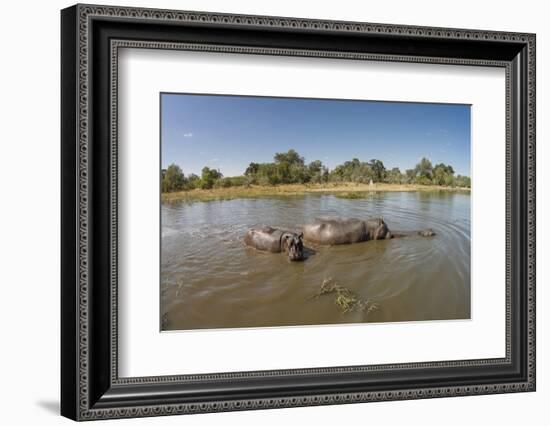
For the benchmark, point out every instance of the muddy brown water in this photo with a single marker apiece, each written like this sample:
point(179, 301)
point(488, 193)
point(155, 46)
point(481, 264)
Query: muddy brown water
point(209, 279)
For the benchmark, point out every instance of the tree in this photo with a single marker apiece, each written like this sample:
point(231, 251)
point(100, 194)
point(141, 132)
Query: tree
point(463, 181)
point(269, 174)
point(424, 169)
point(209, 177)
point(173, 179)
point(299, 174)
point(283, 172)
point(289, 167)
point(315, 167)
point(394, 176)
point(378, 170)
point(317, 172)
point(252, 169)
point(442, 174)
point(358, 171)
point(193, 181)
point(410, 174)
point(290, 157)
point(264, 173)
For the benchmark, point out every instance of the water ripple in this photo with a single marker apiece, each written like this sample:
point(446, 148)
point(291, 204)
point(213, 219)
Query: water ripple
point(209, 279)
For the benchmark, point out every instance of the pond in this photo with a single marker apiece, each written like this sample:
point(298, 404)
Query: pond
point(209, 279)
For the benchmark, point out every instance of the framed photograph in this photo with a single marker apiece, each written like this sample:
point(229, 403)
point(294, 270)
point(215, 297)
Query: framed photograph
point(263, 212)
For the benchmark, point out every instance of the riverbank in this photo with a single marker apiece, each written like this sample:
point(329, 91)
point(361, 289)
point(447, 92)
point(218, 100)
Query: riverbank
point(341, 190)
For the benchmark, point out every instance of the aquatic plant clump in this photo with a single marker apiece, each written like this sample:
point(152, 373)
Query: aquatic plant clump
point(350, 195)
point(344, 298)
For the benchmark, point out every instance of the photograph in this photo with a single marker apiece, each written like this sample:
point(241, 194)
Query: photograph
point(279, 211)
point(265, 208)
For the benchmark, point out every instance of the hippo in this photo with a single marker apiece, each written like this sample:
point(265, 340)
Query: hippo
point(333, 231)
point(274, 240)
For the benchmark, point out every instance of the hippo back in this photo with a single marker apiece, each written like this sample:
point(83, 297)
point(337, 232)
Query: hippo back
point(264, 238)
point(332, 231)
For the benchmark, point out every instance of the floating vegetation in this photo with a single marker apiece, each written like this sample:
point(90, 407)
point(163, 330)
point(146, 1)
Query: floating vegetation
point(350, 195)
point(344, 298)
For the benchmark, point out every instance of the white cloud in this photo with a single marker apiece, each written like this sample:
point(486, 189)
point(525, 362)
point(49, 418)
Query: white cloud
point(188, 135)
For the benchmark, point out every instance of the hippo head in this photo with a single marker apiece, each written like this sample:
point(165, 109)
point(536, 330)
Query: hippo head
point(294, 245)
point(381, 231)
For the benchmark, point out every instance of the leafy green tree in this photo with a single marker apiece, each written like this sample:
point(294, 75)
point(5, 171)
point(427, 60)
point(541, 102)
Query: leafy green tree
point(252, 169)
point(209, 177)
point(270, 175)
point(299, 173)
point(290, 167)
point(394, 176)
point(442, 174)
point(358, 171)
point(317, 172)
point(378, 170)
point(222, 183)
point(237, 180)
point(423, 180)
point(290, 157)
point(315, 167)
point(463, 181)
point(424, 168)
point(173, 179)
point(410, 175)
point(266, 174)
point(193, 181)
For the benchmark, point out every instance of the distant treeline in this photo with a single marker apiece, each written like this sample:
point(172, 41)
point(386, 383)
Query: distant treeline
point(289, 167)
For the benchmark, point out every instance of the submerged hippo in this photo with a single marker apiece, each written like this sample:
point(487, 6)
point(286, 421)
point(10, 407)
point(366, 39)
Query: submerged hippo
point(273, 240)
point(332, 231)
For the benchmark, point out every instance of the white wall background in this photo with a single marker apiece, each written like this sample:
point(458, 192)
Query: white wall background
point(29, 225)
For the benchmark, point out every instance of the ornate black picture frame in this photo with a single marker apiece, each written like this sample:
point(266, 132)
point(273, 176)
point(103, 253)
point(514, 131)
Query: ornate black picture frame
point(91, 36)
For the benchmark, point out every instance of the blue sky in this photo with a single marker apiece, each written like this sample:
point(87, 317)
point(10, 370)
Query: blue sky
point(229, 132)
